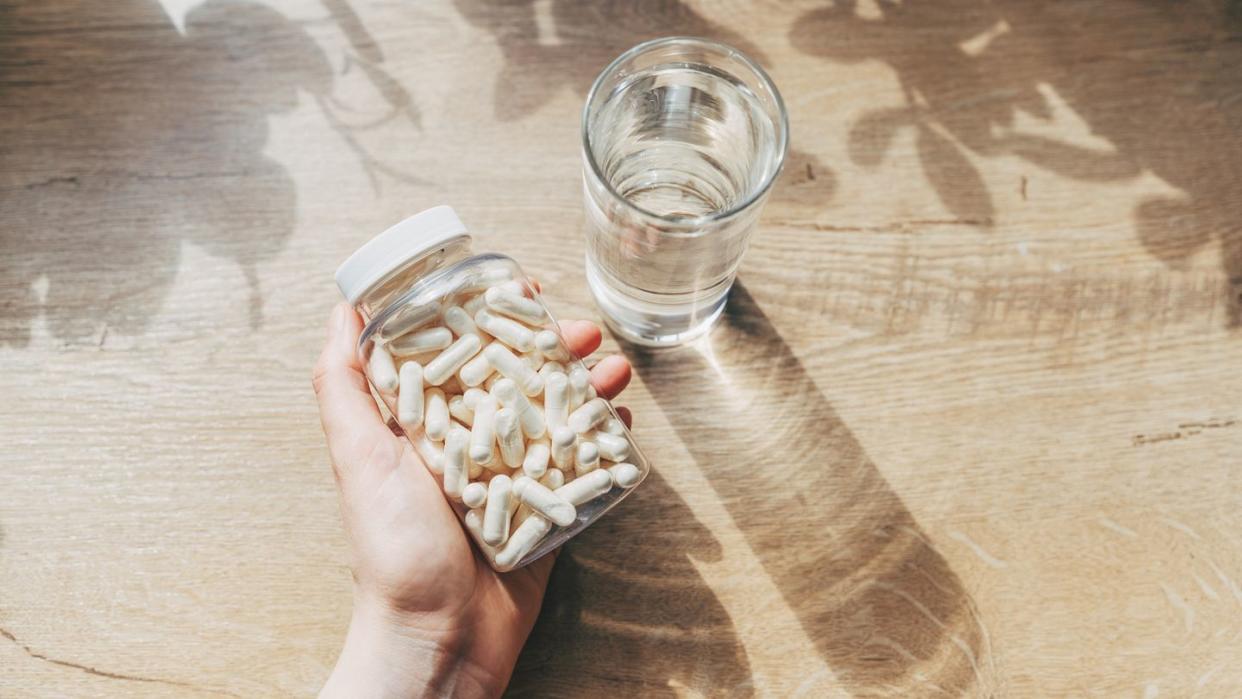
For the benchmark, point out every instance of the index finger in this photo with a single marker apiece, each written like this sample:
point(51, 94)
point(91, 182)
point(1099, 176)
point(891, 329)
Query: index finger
point(581, 336)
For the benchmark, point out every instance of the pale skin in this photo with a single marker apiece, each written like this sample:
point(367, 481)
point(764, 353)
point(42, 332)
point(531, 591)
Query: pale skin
point(430, 617)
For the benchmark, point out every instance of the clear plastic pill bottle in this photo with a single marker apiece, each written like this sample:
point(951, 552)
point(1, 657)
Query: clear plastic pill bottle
point(461, 350)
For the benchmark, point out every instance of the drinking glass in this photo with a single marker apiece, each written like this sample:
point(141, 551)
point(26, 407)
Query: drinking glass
point(681, 141)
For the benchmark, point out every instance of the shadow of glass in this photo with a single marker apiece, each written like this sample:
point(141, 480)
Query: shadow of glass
point(626, 608)
point(882, 606)
point(124, 139)
point(1158, 83)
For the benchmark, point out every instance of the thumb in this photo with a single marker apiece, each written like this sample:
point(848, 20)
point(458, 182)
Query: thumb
point(351, 419)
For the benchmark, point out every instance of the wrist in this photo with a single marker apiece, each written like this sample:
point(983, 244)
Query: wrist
point(385, 655)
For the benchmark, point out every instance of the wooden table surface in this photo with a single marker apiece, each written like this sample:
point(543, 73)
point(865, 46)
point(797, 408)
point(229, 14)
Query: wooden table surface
point(971, 426)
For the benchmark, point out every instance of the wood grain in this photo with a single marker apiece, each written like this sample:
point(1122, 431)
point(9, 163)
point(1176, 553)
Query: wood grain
point(970, 425)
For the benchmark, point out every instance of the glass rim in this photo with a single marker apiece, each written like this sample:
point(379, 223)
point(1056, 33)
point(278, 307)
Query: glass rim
point(782, 127)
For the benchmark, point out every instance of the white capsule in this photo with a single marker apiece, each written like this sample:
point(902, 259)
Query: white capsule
point(556, 400)
point(613, 426)
point(524, 540)
point(551, 367)
point(544, 501)
point(471, 397)
point(474, 471)
point(515, 306)
point(587, 458)
point(408, 318)
point(450, 360)
point(520, 514)
point(579, 382)
point(626, 475)
point(421, 341)
point(473, 305)
point(509, 435)
point(383, 371)
point(410, 396)
point(460, 412)
point(491, 382)
point(459, 321)
point(475, 371)
point(432, 453)
point(611, 446)
point(454, 461)
point(506, 391)
point(588, 416)
point(496, 516)
point(474, 524)
point(495, 468)
point(512, 286)
point(513, 368)
point(496, 275)
point(483, 431)
point(533, 359)
point(553, 479)
point(591, 393)
point(510, 332)
point(436, 414)
point(535, 464)
point(586, 488)
point(563, 440)
point(474, 495)
point(549, 345)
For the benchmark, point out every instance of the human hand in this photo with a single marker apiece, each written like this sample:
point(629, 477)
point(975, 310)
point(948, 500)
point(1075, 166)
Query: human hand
point(431, 617)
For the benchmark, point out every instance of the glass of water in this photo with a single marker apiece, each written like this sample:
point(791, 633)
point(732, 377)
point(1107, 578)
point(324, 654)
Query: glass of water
point(681, 141)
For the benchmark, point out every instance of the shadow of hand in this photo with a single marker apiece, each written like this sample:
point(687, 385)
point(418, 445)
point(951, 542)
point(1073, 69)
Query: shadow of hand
point(627, 608)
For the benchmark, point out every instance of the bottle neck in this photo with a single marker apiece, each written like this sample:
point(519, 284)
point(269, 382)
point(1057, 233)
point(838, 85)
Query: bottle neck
point(397, 282)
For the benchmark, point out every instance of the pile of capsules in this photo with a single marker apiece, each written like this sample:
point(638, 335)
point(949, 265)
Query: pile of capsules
point(509, 420)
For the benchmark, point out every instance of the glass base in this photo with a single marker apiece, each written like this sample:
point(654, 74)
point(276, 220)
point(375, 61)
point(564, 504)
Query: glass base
point(649, 324)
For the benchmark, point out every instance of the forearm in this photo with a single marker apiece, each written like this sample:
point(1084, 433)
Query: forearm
point(382, 659)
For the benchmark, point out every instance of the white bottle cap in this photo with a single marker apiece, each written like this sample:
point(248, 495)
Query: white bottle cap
point(392, 248)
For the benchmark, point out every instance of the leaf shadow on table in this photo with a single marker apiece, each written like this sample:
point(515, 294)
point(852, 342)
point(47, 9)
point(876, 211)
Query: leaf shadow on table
point(626, 607)
point(125, 139)
point(569, 44)
point(881, 605)
point(1158, 83)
